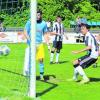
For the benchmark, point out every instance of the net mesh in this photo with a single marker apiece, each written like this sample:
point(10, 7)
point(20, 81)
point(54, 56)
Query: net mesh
point(13, 6)
point(12, 80)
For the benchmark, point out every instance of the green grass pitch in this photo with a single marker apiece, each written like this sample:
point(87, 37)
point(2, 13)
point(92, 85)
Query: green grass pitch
point(14, 86)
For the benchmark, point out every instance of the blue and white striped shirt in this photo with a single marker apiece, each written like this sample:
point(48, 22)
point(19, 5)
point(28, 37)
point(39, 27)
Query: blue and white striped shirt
point(91, 41)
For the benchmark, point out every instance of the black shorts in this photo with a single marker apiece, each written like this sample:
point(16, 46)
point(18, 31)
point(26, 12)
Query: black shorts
point(86, 61)
point(57, 44)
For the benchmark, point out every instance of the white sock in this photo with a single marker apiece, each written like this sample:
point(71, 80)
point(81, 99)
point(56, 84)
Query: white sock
point(51, 57)
point(41, 75)
point(81, 72)
point(26, 61)
point(57, 57)
point(75, 74)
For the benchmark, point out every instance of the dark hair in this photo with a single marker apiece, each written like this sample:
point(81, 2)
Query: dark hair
point(85, 25)
point(39, 11)
point(58, 16)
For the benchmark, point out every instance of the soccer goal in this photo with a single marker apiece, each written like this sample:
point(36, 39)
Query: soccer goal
point(13, 17)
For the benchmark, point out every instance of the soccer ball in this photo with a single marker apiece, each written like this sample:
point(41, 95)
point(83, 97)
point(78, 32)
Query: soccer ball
point(4, 50)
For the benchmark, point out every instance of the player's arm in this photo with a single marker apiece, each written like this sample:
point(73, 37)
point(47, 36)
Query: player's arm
point(80, 51)
point(26, 30)
point(52, 33)
point(88, 47)
point(26, 35)
point(65, 35)
point(54, 30)
point(47, 35)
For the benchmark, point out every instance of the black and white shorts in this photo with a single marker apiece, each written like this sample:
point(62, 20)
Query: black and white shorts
point(57, 44)
point(86, 61)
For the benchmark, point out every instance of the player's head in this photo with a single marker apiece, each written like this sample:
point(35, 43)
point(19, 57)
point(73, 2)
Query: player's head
point(84, 28)
point(58, 19)
point(39, 16)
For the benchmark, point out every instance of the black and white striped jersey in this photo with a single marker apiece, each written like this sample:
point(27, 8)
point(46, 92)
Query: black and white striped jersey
point(91, 41)
point(58, 28)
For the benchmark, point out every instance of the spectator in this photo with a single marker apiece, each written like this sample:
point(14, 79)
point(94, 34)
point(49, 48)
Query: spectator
point(78, 24)
point(78, 21)
point(83, 20)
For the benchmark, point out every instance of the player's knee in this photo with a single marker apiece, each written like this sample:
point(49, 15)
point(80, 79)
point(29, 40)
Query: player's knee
point(75, 62)
point(58, 51)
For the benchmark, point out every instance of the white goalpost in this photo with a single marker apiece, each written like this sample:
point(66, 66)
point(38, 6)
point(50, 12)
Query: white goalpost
point(15, 16)
point(32, 85)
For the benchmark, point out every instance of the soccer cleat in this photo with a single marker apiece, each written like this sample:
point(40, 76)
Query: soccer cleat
point(84, 81)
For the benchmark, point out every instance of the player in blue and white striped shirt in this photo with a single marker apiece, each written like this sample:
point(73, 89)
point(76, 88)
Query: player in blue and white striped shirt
point(91, 57)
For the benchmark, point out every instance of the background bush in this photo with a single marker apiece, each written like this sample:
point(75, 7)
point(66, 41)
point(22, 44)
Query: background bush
point(68, 9)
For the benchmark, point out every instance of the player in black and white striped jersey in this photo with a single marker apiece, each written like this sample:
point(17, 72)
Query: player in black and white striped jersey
point(90, 58)
point(58, 28)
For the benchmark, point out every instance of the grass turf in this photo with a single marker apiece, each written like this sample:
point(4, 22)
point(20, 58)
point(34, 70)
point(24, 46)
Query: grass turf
point(14, 86)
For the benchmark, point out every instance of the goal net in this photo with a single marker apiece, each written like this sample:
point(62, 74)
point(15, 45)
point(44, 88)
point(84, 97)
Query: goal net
point(13, 83)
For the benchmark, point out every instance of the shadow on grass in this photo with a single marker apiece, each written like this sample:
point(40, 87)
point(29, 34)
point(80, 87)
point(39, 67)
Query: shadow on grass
point(94, 79)
point(9, 71)
point(60, 62)
point(46, 78)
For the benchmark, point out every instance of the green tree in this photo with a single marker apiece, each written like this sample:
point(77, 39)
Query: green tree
point(67, 9)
